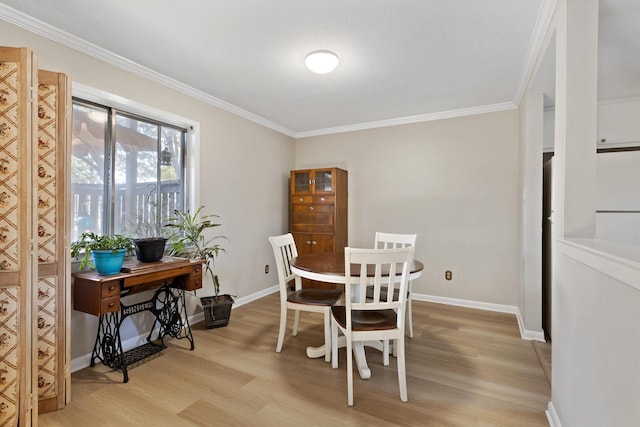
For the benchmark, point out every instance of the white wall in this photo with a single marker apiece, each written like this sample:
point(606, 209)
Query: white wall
point(243, 172)
point(530, 251)
point(454, 182)
point(596, 284)
point(596, 343)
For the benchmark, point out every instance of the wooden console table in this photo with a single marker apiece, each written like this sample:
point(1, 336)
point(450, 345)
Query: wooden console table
point(102, 296)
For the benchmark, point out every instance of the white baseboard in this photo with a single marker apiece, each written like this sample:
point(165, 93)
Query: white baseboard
point(83, 361)
point(500, 308)
point(263, 293)
point(552, 416)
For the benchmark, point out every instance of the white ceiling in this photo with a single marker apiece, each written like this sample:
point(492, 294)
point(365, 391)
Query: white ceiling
point(400, 61)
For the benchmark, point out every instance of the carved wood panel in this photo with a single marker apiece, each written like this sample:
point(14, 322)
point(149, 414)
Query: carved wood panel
point(17, 230)
point(53, 293)
point(9, 354)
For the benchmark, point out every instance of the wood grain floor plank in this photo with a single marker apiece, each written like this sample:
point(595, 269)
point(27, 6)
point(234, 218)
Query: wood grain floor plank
point(465, 367)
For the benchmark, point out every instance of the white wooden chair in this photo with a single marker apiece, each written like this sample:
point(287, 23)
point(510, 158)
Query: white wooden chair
point(388, 241)
point(394, 240)
point(381, 317)
point(314, 300)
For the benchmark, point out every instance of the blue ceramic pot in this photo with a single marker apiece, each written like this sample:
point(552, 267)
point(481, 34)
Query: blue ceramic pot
point(107, 262)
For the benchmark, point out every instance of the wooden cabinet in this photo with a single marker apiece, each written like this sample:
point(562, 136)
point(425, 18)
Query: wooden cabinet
point(618, 122)
point(318, 210)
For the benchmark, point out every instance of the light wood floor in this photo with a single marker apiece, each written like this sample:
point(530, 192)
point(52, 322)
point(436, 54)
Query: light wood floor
point(465, 367)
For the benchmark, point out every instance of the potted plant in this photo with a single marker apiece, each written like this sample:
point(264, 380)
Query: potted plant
point(103, 252)
point(147, 231)
point(188, 240)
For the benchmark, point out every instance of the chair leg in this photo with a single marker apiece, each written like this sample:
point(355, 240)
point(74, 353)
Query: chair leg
point(283, 327)
point(296, 322)
point(402, 374)
point(385, 352)
point(334, 347)
point(327, 336)
point(349, 371)
point(409, 317)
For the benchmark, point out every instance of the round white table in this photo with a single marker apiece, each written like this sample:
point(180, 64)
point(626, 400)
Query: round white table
point(329, 267)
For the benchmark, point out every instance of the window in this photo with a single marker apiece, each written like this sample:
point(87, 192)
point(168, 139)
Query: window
point(127, 171)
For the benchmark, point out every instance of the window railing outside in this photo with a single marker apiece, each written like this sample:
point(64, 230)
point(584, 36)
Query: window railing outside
point(87, 208)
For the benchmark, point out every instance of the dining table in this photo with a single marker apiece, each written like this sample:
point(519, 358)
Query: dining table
point(329, 267)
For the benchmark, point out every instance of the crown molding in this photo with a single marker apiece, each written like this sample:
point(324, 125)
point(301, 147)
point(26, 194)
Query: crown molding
point(52, 33)
point(537, 42)
point(412, 119)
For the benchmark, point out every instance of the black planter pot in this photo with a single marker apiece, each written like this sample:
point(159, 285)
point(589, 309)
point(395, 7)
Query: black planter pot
point(217, 310)
point(150, 249)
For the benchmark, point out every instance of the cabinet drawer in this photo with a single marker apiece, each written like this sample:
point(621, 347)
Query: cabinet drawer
point(191, 282)
point(109, 305)
point(110, 289)
point(195, 278)
point(323, 199)
point(313, 199)
point(312, 228)
point(312, 217)
point(311, 211)
point(301, 199)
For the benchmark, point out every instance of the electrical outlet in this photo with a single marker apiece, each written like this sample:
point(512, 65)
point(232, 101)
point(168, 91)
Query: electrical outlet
point(448, 275)
point(266, 269)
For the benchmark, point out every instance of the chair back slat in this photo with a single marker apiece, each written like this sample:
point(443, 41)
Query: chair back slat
point(284, 250)
point(377, 269)
point(394, 240)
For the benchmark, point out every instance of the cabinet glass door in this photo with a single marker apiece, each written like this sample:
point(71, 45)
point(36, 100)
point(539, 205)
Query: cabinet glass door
point(301, 182)
point(323, 181)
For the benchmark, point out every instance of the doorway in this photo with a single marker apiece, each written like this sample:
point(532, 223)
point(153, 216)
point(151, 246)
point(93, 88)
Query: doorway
point(547, 162)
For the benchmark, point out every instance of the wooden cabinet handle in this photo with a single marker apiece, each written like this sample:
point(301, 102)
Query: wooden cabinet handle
point(111, 287)
point(196, 270)
point(301, 199)
point(310, 208)
point(308, 242)
point(322, 199)
point(111, 304)
point(314, 242)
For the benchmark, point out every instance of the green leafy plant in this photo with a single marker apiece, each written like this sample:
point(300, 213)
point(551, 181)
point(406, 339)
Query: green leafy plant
point(187, 239)
point(89, 241)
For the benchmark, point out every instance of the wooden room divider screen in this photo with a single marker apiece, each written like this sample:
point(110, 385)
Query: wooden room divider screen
point(34, 255)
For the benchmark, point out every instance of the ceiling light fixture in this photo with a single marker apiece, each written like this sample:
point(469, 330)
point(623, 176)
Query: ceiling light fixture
point(321, 61)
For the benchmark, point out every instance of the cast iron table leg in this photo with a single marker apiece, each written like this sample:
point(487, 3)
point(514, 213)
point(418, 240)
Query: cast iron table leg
point(108, 345)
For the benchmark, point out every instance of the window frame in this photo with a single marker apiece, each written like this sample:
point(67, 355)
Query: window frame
point(114, 105)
